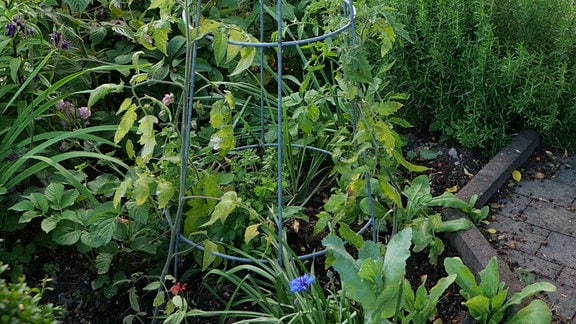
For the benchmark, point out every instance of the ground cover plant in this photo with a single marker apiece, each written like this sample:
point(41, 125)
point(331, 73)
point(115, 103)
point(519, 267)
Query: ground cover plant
point(102, 157)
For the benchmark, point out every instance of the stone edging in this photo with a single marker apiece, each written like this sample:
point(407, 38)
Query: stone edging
point(471, 245)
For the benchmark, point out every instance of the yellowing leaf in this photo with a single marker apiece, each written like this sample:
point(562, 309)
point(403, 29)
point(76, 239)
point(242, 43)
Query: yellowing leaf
point(251, 232)
point(491, 231)
point(146, 128)
point(164, 191)
point(516, 175)
point(125, 123)
point(452, 189)
point(142, 189)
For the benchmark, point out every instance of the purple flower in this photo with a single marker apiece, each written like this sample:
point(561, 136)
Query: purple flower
point(301, 283)
point(84, 112)
point(168, 99)
point(11, 29)
point(57, 40)
point(65, 107)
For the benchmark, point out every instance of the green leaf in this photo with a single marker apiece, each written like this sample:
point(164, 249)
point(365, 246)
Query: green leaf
point(66, 233)
point(251, 232)
point(165, 192)
point(220, 114)
point(387, 108)
point(223, 140)
point(529, 291)
point(350, 236)
point(53, 193)
point(160, 30)
point(147, 138)
point(465, 279)
point(24, 205)
point(142, 189)
point(78, 5)
point(48, 224)
point(102, 91)
point(154, 285)
point(224, 207)
point(14, 67)
point(536, 312)
point(126, 123)
point(97, 34)
point(133, 298)
point(208, 258)
point(69, 198)
point(247, 55)
point(138, 213)
point(479, 307)
point(143, 244)
point(121, 192)
point(490, 279)
point(232, 50)
point(103, 262)
point(159, 299)
point(397, 251)
point(219, 44)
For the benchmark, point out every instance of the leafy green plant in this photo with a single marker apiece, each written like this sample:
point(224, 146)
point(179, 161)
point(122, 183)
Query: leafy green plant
point(22, 304)
point(488, 301)
point(376, 279)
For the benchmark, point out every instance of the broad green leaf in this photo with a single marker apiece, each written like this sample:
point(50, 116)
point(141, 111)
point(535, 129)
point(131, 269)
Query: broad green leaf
point(160, 30)
point(397, 251)
point(208, 256)
point(536, 312)
point(247, 55)
point(28, 216)
point(387, 108)
point(223, 140)
point(344, 263)
point(371, 270)
point(251, 232)
point(69, 198)
point(219, 44)
point(233, 50)
point(126, 123)
point(138, 213)
point(224, 207)
point(125, 105)
point(24, 205)
point(97, 34)
point(465, 279)
point(78, 5)
point(142, 189)
point(479, 307)
point(53, 193)
point(490, 279)
point(159, 299)
point(66, 233)
point(164, 192)
point(147, 138)
point(220, 114)
point(409, 166)
point(379, 210)
point(102, 91)
point(48, 224)
point(461, 224)
point(350, 236)
point(143, 244)
point(529, 291)
point(154, 285)
point(103, 262)
point(138, 78)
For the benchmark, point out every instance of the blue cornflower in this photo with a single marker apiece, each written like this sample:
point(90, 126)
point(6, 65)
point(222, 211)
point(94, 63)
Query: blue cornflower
point(301, 283)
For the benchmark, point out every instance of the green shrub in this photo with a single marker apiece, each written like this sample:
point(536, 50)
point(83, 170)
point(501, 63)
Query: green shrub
point(22, 304)
point(479, 71)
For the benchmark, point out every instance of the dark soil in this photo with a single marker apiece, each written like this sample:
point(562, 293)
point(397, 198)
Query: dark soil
point(73, 276)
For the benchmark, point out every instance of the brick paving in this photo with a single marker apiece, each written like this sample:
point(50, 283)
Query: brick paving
point(537, 227)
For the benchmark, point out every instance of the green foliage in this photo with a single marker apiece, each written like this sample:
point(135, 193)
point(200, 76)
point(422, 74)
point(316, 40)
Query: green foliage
point(488, 302)
point(376, 280)
point(485, 69)
point(22, 304)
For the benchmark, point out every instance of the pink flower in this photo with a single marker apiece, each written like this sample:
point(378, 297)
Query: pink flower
point(84, 112)
point(168, 99)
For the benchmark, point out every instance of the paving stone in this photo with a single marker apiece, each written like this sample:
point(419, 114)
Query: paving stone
point(513, 206)
point(559, 193)
point(551, 217)
point(544, 269)
point(567, 172)
point(560, 248)
point(567, 277)
point(526, 237)
point(563, 302)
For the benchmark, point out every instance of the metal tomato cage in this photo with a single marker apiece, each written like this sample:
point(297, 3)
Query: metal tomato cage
point(192, 20)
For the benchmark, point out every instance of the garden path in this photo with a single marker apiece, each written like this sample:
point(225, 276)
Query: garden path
point(537, 225)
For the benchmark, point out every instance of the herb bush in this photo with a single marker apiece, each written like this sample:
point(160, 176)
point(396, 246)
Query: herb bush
point(481, 70)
